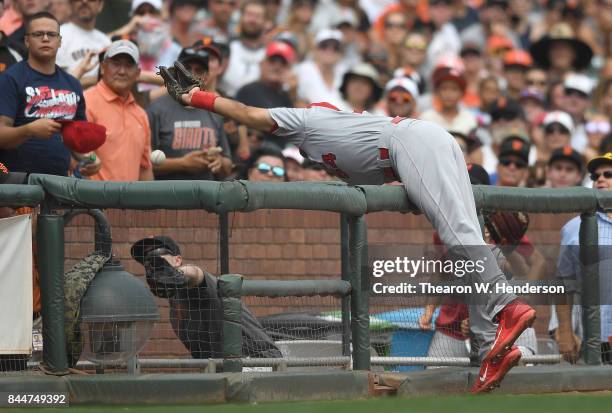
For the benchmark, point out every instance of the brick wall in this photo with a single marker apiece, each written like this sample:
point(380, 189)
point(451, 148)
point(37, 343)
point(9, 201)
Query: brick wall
point(269, 244)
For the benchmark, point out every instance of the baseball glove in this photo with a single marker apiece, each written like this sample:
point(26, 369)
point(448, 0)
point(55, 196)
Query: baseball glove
point(507, 228)
point(178, 80)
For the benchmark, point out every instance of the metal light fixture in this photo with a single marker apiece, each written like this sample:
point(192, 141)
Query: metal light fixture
point(117, 315)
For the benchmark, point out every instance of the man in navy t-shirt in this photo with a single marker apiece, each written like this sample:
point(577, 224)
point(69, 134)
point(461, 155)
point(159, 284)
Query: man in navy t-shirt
point(34, 95)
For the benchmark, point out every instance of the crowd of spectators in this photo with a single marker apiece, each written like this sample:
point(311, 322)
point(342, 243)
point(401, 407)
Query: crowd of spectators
point(524, 87)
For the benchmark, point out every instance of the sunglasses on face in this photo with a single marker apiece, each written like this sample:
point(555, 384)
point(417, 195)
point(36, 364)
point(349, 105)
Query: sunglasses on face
point(606, 174)
point(550, 129)
point(520, 164)
point(40, 34)
point(329, 44)
point(600, 126)
point(266, 168)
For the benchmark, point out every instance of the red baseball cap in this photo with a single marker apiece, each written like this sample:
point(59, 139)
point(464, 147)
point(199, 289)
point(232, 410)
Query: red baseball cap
point(443, 73)
point(496, 43)
point(518, 57)
point(81, 136)
point(282, 49)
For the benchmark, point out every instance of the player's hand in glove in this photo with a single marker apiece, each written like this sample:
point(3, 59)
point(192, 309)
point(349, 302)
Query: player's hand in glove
point(507, 228)
point(179, 82)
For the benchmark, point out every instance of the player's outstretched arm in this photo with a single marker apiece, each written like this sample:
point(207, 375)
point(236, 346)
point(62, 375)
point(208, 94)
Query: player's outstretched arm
point(252, 117)
point(185, 88)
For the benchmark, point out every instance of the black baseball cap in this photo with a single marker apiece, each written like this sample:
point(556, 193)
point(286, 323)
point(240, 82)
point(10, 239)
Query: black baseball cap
point(141, 248)
point(516, 146)
point(192, 54)
point(207, 43)
point(15, 178)
point(569, 153)
point(506, 109)
point(478, 174)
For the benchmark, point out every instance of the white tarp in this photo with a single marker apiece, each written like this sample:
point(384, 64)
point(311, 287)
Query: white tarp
point(16, 285)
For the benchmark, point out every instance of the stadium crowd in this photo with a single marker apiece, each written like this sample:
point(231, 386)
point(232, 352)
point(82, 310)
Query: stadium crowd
point(525, 87)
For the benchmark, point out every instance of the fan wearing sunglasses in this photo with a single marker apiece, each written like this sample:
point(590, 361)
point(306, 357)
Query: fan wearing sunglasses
point(400, 97)
point(600, 170)
point(513, 159)
point(268, 165)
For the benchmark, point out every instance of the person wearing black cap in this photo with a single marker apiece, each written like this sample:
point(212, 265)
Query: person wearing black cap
point(513, 160)
point(565, 168)
point(194, 142)
point(196, 311)
point(507, 119)
point(217, 59)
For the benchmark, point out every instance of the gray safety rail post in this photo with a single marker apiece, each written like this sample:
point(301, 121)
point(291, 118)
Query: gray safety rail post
point(230, 291)
point(589, 259)
point(50, 241)
point(224, 242)
point(346, 276)
point(360, 311)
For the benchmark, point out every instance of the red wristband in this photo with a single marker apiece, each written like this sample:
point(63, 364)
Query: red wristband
point(204, 100)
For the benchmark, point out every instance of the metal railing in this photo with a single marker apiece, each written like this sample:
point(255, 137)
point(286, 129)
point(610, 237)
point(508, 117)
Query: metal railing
point(352, 202)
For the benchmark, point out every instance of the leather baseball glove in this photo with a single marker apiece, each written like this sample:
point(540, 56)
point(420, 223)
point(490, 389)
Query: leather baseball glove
point(507, 228)
point(178, 80)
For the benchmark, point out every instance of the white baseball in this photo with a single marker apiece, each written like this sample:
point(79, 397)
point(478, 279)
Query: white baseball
point(158, 157)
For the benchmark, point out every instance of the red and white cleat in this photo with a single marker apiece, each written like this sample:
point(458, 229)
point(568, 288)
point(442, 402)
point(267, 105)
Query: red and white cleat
point(513, 319)
point(492, 372)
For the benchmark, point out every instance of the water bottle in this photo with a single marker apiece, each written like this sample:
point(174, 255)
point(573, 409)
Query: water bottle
point(76, 172)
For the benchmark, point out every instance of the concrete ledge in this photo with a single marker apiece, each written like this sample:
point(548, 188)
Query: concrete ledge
point(196, 388)
point(452, 380)
point(147, 389)
point(536, 379)
point(203, 388)
point(27, 383)
point(289, 386)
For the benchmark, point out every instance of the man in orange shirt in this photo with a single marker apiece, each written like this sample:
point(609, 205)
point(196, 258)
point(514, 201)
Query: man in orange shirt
point(126, 154)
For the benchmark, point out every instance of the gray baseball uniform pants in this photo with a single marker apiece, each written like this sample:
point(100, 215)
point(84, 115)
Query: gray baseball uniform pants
point(443, 346)
point(431, 167)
